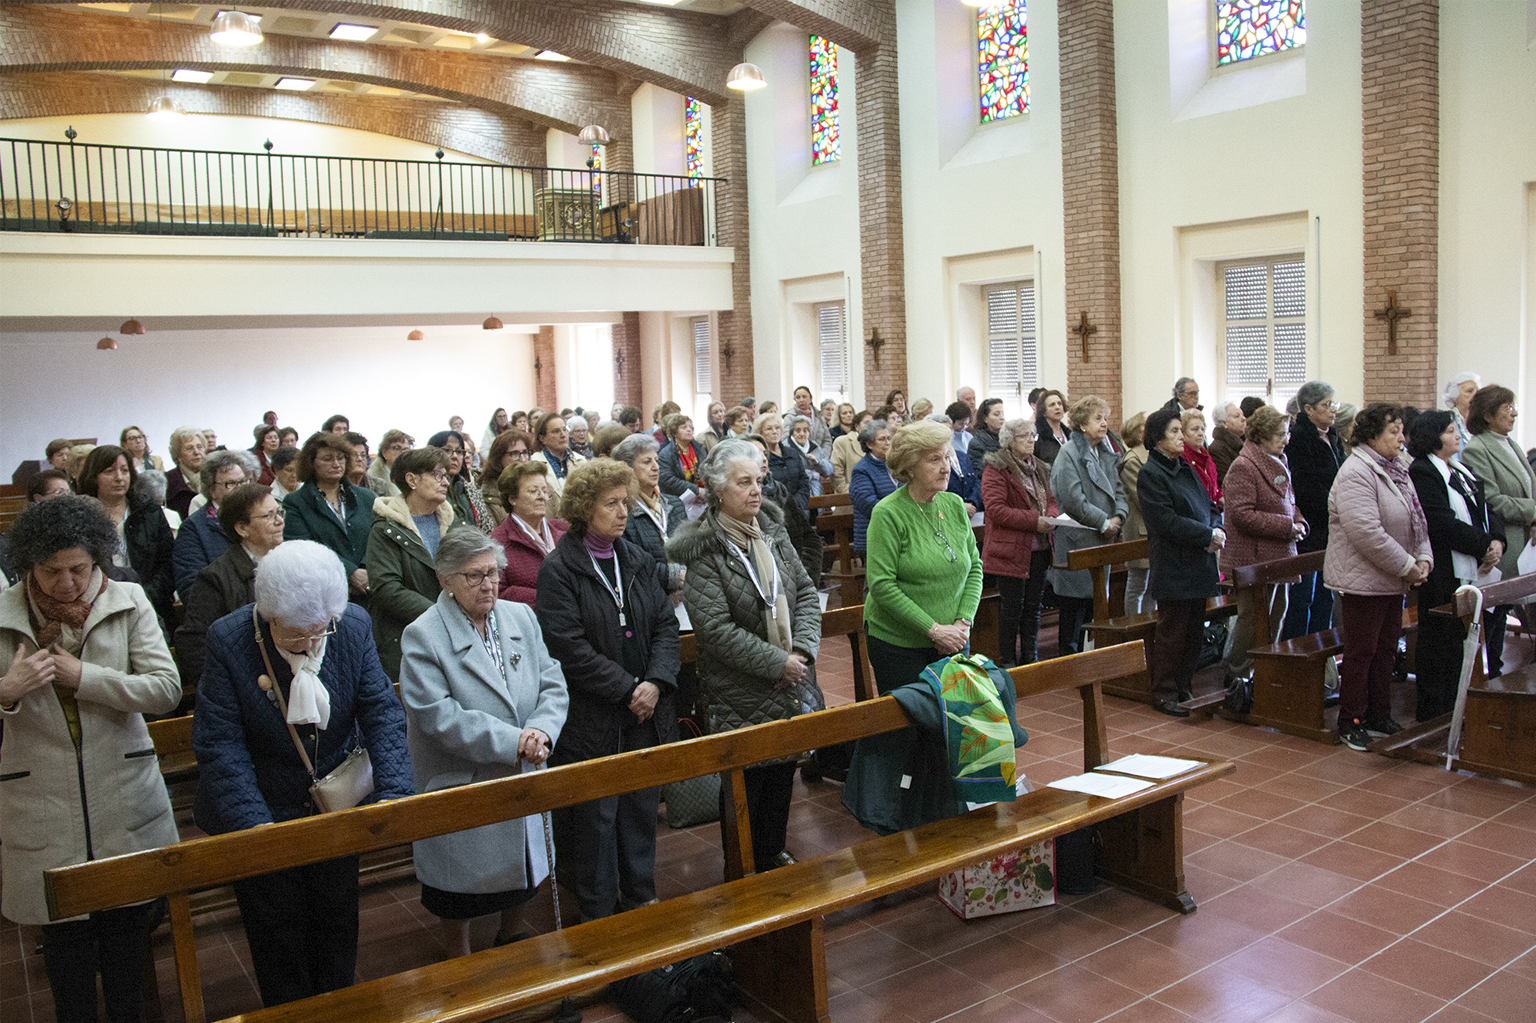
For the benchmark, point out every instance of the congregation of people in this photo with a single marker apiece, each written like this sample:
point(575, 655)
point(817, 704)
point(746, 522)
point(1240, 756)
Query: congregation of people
point(475, 608)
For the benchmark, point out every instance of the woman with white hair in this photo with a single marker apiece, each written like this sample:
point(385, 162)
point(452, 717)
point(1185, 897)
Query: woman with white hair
point(200, 540)
point(297, 668)
point(784, 461)
point(655, 516)
point(187, 448)
point(483, 700)
point(1085, 478)
point(1458, 398)
point(577, 429)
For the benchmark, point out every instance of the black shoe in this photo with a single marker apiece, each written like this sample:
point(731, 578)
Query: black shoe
point(1171, 708)
point(1355, 736)
point(1331, 700)
point(1383, 726)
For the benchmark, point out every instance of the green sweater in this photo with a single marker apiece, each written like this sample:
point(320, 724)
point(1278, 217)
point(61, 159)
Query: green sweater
point(912, 581)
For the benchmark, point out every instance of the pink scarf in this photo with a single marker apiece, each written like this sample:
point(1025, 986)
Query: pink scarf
point(1397, 472)
point(1204, 465)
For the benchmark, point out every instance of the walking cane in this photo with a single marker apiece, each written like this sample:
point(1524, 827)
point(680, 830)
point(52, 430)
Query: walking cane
point(565, 1012)
point(1469, 651)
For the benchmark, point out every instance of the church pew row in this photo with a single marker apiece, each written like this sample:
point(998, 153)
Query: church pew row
point(773, 919)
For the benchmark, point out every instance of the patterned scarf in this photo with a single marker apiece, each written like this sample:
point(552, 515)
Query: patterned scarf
point(1397, 472)
point(49, 616)
point(746, 536)
point(1033, 474)
point(690, 462)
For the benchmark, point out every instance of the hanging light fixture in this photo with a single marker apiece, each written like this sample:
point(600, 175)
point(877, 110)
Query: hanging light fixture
point(492, 323)
point(163, 108)
point(593, 135)
point(131, 327)
point(415, 335)
point(745, 77)
point(233, 28)
point(106, 344)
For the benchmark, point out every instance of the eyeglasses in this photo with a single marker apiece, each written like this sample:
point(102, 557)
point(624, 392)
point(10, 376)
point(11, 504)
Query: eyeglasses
point(274, 516)
point(480, 578)
point(308, 637)
point(1327, 406)
point(939, 535)
point(440, 475)
point(517, 456)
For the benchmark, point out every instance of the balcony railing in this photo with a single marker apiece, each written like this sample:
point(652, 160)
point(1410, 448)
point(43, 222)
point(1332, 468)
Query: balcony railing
point(84, 188)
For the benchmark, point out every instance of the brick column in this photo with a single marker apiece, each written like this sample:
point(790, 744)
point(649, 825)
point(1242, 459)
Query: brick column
point(1091, 194)
point(626, 380)
point(734, 379)
point(883, 275)
point(544, 378)
point(1400, 90)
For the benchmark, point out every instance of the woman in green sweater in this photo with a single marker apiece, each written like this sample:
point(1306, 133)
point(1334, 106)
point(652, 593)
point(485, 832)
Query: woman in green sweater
point(922, 565)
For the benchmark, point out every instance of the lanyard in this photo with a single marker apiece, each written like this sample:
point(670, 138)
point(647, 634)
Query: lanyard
point(616, 588)
point(771, 597)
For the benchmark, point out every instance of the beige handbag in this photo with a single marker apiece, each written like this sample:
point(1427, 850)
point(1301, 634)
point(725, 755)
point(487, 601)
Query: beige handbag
point(343, 788)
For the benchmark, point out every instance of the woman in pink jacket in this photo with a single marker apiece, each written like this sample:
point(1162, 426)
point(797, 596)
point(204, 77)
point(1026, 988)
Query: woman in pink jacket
point(1262, 522)
point(1378, 547)
point(1016, 491)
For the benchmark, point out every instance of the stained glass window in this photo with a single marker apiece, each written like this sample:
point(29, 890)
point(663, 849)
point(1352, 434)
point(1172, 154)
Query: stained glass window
point(597, 165)
point(693, 137)
point(825, 144)
point(1252, 28)
point(1002, 60)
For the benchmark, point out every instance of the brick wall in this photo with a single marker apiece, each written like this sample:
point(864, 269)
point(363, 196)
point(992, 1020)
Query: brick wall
point(735, 372)
point(881, 254)
point(1400, 77)
point(1091, 197)
point(544, 372)
point(626, 380)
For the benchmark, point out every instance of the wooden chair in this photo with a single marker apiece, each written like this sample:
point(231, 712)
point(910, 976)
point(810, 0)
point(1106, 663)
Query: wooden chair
point(834, 520)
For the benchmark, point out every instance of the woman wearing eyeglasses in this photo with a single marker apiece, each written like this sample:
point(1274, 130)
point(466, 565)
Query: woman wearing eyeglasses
point(200, 540)
point(528, 535)
point(468, 505)
point(252, 516)
point(510, 448)
point(483, 700)
point(297, 667)
point(134, 441)
point(329, 510)
point(402, 545)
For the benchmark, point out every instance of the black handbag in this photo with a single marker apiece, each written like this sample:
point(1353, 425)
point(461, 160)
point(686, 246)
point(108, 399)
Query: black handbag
point(1213, 644)
point(1239, 698)
point(693, 991)
point(692, 800)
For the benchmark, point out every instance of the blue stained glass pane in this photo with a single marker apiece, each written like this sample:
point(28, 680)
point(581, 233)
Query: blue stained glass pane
point(1251, 28)
point(825, 144)
point(1002, 60)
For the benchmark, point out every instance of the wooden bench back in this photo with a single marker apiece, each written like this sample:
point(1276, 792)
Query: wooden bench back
point(1098, 561)
point(1279, 572)
point(1506, 591)
point(832, 501)
point(837, 621)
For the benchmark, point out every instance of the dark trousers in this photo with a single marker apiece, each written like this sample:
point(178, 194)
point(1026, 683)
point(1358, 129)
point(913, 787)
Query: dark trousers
point(1179, 632)
point(115, 942)
point(301, 926)
point(769, 792)
point(606, 851)
point(1072, 614)
point(1019, 616)
point(895, 666)
point(1437, 663)
point(1310, 608)
point(1371, 626)
point(1494, 623)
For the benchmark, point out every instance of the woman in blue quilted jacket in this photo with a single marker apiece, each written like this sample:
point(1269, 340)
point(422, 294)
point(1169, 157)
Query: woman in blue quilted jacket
point(303, 647)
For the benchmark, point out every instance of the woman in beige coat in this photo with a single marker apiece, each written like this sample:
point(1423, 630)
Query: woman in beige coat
point(83, 660)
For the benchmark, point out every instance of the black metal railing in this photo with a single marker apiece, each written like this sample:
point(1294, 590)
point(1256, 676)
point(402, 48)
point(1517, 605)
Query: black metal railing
point(85, 188)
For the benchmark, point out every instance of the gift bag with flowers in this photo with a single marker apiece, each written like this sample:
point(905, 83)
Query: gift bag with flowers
point(1020, 880)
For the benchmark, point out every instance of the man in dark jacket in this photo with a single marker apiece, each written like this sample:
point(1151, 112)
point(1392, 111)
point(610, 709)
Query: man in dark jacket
point(1186, 395)
point(1315, 454)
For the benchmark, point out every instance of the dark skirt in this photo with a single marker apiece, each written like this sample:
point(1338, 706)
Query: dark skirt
point(468, 905)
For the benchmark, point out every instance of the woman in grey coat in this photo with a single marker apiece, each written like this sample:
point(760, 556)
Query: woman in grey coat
point(758, 622)
point(483, 700)
point(1086, 481)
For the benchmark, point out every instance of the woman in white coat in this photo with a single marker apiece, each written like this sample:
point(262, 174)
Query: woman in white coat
point(483, 700)
point(83, 660)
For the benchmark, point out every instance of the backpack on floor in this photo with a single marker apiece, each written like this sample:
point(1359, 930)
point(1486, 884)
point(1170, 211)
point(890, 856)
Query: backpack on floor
point(693, 991)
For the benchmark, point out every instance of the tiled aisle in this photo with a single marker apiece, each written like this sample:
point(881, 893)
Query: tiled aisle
point(1332, 885)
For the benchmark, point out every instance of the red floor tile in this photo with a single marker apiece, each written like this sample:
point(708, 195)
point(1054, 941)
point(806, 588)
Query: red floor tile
point(1505, 996)
point(1433, 970)
point(1216, 995)
point(1365, 998)
point(1142, 964)
point(1475, 938)
point(1338, 937)
point(1281, 966)
point(1387, 909)
point(1074, 995)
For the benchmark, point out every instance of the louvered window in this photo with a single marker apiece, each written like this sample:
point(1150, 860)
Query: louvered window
point(1264, 338)
point(1012, 352)
point(703, 379)
point(832, 342)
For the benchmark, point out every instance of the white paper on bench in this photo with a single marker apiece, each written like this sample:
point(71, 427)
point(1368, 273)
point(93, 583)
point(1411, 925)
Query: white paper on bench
point(1144, 765)
point(1110, 786)
point(1063, 520)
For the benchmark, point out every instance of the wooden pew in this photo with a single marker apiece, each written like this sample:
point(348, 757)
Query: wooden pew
point(1498, 729)
point(774, 918)
point(837, 621)
point(834, 520)
point(1108, 628)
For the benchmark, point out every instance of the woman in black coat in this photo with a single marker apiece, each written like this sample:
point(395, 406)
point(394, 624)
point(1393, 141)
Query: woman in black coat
point(680, 458)
point(1314, 454)
point(108, 475)
point(655, 515)
point(785, 463)
point(1182, 542)
point(608, 622)
point(1465, 538)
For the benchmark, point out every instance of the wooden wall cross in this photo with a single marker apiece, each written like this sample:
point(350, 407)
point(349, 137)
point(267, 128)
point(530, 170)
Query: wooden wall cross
point(1392, 313)
point(875, 343)
point(1084, 330)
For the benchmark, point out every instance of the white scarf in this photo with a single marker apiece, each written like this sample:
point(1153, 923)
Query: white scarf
point(308, 702)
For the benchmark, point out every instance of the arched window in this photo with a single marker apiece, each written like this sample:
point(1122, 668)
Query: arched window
point(1251, 28)
point(693, 137)
point(826, 147)
point(1002, 60)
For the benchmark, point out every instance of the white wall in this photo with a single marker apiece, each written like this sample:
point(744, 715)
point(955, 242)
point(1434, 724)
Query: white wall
point(657, 118)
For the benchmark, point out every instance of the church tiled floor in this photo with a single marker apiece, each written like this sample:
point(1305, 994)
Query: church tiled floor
point(1332, 886)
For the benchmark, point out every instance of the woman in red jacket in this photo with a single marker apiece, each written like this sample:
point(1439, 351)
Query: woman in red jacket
point(1016, 492)
point(527, 533)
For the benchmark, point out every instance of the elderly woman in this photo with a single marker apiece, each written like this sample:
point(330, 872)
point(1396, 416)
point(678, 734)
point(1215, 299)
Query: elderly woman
point(483, 700)
point(871, 479)
point(285, 473)
point(1262, 523)
point(1509, 487)
point(499, 424)
point(987, 438)
point(785, 463)
point(1465, 539)
point(528, 535)
point(148, 488)
point(1314, 453)
point(251, 516)
point(1086, 481)
point(680, 459)
point(1192, 422)
point(200, 540)
point(402, 544)
point(1227, 437)
point(147, 544)
point(1182, 542)
point(1458, 398)
point(1378, 547)
point(187, 448)
point(581, 440)
point(1133, 434)
point(295, 669)
point(329, 510)
point(608, 622)
point(56, 453)
point(1051, 426)
point(510, 448)
point(924, 570)
point(552, 445)
point(1344, 425)
point(463, 496)
point(757, 621)
point(1016, 487)
point(846, 452)
point(717, 432)
point(395, 443)
point(845, 421)
point(265, 447)
point(818, 466)
point(655, 516)
point(134, 441)
point(83, 661)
